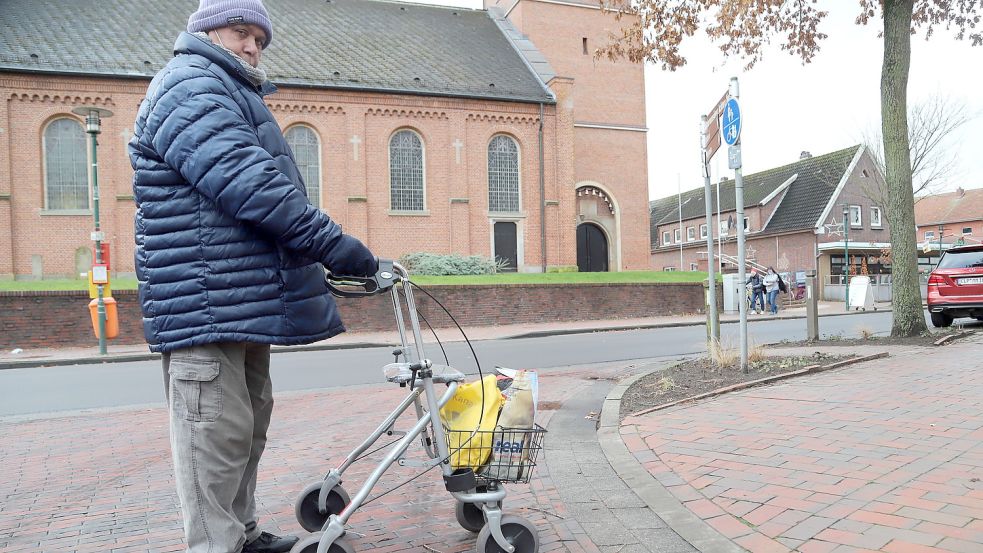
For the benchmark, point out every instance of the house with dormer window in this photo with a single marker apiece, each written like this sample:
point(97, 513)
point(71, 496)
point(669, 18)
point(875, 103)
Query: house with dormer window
point(817, 213)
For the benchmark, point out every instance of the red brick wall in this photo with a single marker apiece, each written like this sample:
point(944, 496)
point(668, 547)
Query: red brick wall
point(354, 192)
point(61, 319)
point(953, 231)
point(606, 91)
point(600, 92)
point(6, 222)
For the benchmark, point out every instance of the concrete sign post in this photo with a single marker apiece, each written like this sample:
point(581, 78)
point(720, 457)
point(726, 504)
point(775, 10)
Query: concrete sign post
point(731, 128)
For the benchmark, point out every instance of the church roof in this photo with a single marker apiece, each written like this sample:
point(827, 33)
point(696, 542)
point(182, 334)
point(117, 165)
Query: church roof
point(383, 46)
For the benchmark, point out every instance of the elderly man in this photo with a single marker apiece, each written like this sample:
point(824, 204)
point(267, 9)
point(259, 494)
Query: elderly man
point(230, 257)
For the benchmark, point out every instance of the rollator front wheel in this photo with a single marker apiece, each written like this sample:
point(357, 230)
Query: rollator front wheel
point(309, 543)
point(308, 515)
point(519, 532)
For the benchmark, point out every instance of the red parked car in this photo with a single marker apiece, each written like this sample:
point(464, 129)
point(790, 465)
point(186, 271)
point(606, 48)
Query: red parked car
point(955, 287)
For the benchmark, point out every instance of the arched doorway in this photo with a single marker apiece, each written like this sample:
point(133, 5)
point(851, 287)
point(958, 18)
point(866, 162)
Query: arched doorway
point(592, 249)
point(598, 229)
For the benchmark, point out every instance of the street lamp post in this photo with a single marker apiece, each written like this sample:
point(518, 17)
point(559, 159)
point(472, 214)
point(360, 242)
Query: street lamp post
point(846, 256)
point(93, 121)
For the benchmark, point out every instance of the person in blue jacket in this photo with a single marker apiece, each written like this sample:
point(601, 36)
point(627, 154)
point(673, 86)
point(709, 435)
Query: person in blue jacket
point(230, 258)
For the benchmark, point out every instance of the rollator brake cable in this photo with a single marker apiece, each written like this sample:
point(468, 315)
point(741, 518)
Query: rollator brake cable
point(447, 362)
point(434, 331)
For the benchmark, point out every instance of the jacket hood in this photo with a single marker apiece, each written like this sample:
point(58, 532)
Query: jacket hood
point(187, 43)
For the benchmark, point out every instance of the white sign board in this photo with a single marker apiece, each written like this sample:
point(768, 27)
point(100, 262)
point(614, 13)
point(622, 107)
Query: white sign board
point(861, 293)
point(100, 274)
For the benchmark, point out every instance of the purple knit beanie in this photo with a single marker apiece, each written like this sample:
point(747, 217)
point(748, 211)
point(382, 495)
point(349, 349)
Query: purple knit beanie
point(214, 14)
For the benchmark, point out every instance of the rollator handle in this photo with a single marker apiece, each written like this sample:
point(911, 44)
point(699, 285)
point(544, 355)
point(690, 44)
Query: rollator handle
point(356, 286)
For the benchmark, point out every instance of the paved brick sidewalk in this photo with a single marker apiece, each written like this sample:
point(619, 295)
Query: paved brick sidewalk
point(102, 480)
point(883, 456)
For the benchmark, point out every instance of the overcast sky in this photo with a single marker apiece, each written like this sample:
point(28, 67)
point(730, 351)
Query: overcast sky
point(824, 106)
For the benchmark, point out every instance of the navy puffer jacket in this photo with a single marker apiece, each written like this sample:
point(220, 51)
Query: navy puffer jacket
point(228, 248)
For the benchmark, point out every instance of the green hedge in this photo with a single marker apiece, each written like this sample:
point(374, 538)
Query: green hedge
point(449, 265)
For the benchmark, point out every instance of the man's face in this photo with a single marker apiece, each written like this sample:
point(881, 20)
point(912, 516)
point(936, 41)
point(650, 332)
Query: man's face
point(246, 40)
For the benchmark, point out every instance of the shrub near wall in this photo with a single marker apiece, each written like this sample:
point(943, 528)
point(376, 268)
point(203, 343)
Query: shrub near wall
point(61, 319)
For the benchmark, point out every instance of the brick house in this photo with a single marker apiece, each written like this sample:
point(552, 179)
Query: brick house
point(793, 217)
point(944, 220)
point(418, 128)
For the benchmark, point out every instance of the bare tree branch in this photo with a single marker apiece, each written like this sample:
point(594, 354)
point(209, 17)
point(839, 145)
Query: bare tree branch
point(931, 125)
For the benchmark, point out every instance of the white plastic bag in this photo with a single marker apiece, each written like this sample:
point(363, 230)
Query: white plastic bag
point(511, 441)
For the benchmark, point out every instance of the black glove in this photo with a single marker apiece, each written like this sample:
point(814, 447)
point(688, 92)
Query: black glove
point(350, 257)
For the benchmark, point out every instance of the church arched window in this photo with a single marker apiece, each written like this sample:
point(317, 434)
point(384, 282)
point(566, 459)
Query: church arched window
point(406, 182)
point(306, 146)
point(503, 175)
point(66, 181)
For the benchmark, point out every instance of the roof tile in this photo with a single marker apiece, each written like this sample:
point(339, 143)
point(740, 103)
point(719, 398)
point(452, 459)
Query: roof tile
point(353, 44)
point(952, 207)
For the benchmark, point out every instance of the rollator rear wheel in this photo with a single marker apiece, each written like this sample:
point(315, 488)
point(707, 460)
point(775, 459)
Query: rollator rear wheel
point(517, 531)
point(308, 544)
point(469, 515)
point(305, 508)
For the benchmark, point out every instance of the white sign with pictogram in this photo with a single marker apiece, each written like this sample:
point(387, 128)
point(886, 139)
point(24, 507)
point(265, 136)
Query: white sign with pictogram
point(731, 122)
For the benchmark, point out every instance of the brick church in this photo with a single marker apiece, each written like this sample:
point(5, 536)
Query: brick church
point(418, 128)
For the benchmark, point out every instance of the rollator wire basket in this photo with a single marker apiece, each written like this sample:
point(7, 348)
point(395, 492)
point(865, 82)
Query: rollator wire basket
point(505, 454)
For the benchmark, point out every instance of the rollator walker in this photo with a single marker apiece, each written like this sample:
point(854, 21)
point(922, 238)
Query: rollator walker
point(324, 507)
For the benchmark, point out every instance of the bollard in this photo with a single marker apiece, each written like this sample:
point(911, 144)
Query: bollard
point(812, 307)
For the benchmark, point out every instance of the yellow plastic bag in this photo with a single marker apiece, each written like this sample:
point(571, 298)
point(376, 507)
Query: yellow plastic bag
point(461, 416)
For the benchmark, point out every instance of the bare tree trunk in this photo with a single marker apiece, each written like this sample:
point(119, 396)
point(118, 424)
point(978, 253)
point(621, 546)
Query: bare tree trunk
point(909, 319)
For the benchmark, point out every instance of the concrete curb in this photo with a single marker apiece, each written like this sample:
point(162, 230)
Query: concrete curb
point(150, 356)
point(952, 337)
point(689, 527)
point(561, 332)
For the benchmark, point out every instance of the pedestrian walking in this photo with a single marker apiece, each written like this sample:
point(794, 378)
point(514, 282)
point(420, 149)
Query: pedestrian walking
point(757, 291)
point(230, 258)
point(770, 282)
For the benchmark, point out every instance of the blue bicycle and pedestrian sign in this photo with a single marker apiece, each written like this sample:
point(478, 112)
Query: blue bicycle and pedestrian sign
point(731, 122)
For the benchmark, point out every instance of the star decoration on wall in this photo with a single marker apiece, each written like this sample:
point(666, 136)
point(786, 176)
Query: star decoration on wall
point(783, 263)
point(750, 254)
point(834, 228)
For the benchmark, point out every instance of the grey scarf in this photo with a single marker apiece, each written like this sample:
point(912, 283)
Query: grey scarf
point(255, 75)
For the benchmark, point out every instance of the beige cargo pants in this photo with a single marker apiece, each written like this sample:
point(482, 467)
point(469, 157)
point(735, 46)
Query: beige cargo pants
point(220, 399)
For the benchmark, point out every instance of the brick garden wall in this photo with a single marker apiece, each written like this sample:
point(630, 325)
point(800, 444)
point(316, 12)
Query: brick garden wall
point(61, 319)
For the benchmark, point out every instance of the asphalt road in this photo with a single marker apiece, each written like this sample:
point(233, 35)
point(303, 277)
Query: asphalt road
point(113, 385)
